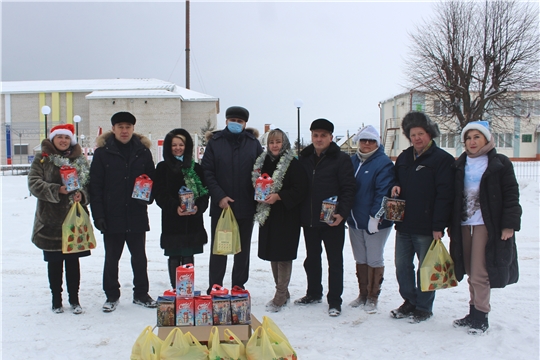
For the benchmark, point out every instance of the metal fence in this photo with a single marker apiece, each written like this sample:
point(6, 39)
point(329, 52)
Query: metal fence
point(523, 169)
point(527, 170)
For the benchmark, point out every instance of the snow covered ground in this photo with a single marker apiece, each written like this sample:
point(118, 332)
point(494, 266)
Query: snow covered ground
point(31, 331)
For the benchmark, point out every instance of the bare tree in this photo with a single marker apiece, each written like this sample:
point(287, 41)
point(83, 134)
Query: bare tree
point(471, 54)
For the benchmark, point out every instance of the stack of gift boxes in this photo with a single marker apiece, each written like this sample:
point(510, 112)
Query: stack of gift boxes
point(185, 307)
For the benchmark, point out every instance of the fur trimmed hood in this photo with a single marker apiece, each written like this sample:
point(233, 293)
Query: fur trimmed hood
point(102, 139)
point(168, 157)
point(210, 134)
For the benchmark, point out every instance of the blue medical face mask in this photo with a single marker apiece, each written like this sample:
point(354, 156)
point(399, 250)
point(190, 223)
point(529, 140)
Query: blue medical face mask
point(235, 127)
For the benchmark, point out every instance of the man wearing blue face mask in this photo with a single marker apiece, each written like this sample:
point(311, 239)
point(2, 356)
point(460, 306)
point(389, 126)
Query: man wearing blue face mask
point(228, 162)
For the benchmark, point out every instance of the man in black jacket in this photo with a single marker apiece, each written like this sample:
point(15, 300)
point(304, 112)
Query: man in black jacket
point(119, 159)
point(330, 173)
point(227, 163)
point(424, 179)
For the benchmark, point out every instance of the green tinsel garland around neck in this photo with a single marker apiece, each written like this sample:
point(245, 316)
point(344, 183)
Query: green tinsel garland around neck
point(193, 181)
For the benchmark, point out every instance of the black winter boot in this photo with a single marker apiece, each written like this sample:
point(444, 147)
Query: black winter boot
point(479, 323)
point(55, 272)
point(173, 264)
point(466, 321)
point(73, 280)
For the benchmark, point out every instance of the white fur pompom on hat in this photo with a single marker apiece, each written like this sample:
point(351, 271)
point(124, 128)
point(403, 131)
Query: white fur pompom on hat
point(368, 133)
point(480, 125)
point(64, 129)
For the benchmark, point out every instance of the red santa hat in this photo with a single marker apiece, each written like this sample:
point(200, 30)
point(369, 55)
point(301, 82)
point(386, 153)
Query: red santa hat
point(64, 129)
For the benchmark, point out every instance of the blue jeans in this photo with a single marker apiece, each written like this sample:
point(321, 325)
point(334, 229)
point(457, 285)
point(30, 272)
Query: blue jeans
point(407, 245)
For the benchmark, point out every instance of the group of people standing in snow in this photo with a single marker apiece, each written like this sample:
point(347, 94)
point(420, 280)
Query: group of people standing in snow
point(475, 197)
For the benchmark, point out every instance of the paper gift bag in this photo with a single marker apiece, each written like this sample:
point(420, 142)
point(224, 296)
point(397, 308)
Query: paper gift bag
point(263, 186)
point(227, 236)
point(77, 231)
point(437, 269)
point(142, 188)
point(69, 178)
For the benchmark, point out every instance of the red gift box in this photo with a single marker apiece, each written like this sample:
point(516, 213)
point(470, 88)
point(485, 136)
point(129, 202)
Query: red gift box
point(142, 188)
point(263, 186)
point(185, 280)
point(185, 311)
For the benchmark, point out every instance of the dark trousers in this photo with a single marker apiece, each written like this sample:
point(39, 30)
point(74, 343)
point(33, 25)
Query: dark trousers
point(218, 263)
point(114, 245)
point(334, 240)
point(73, 277)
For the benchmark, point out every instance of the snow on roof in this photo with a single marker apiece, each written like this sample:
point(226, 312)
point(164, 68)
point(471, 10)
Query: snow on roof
point(104, 87)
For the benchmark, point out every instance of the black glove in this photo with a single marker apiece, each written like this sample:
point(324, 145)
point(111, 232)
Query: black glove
point(100, 224)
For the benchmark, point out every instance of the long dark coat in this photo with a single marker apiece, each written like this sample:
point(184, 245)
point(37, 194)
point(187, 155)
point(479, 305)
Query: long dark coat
point(279, 237)
point(499, 202)
point(228, 162)
point(178, 231)
point(112, 178)
point(52, 207)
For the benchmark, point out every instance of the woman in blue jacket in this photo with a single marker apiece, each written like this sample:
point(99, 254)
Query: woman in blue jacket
point(374, 173)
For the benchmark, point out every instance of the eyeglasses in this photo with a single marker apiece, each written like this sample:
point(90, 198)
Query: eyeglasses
point(368, 141)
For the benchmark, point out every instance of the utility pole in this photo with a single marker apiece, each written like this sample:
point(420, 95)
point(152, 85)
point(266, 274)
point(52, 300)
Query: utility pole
point(187, 45)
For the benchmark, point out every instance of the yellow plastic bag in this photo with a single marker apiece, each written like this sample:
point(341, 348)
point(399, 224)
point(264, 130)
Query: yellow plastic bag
point(280, 344)
point(77, 231)
point(437, 269)
point(259, 346)
point(147, 346)
point(227, 236)
point(233, 349)
point(182, 346)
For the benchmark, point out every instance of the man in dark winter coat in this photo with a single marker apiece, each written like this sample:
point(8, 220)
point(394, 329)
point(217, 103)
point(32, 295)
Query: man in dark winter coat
point(227, 163)
point(424, 179)
point(330, 173)
point(120, 158)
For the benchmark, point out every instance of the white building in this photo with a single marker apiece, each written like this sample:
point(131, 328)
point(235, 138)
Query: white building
point(159, 106)
point(520, 144)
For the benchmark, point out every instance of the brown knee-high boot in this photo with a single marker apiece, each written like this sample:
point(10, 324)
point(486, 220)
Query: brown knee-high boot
point(362, 275)
point(375, 276)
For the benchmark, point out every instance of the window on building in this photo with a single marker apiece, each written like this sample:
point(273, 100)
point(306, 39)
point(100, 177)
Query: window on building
point(503, 140)
point(530, 108)
point(439, 108)
point(451, 141)
point(21, 149)
point(526, 138)
point(443, 140)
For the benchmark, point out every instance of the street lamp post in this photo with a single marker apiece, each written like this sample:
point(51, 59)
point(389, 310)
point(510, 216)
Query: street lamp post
point(45, 110)
point(77, 119)
point(298, 103)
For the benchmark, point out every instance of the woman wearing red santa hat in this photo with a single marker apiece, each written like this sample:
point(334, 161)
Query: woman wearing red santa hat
point(53, 204)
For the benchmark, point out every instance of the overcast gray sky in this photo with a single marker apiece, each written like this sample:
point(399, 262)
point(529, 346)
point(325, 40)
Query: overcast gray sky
point(340, 58)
